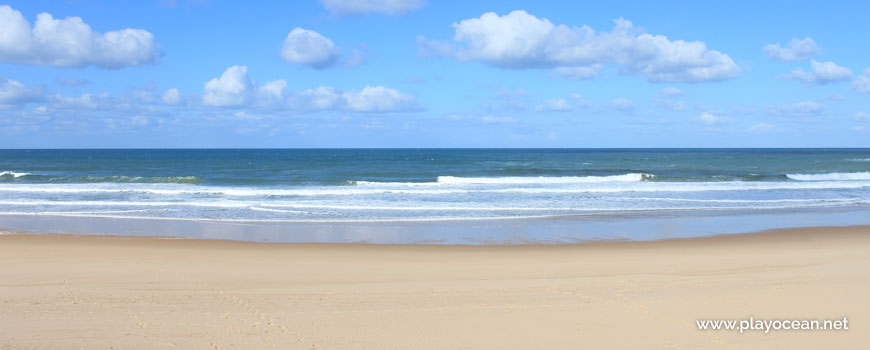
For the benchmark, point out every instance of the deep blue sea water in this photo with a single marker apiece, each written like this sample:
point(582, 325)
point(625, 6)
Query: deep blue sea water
point(391, 185)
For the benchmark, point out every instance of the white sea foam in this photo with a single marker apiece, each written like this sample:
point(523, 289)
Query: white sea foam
point(390, 218)
point(246, 220)
point(162, 204)
point(516, 180)
point(279, 210)
point(13, 174)
point(633, 177)
point(451, 198)
point(600, 204)
point(809, 182)
point(830, 176)
point(413, 208)
point(226, 191)
point(737, 201)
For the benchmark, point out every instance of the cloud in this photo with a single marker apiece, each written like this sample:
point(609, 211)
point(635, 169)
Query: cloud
point(15, 94)
point(235, 89)
point(271, 93)
point(356, 58)
point(712, 119)
point(380, 99)
point(797, 50)
point(307, 47)
point(679, 106)
point(835, 97)
point(143, 95)
point(862, 82)
point(580, 72)
point(666, 96)
point(579, 101)
point(231, 89)
point(622, 104)
point(862, 116)
point(520, 40)
point(671, 92)
point(805, 109)
point(70, 42)
point(172, 97)
point(484, 118)
point(823, 73)
point(83, 101)
point(386, 7)
point(761, 127)
point(318, 99)
point(491, 119)
point(433, 48)
point(554, 105)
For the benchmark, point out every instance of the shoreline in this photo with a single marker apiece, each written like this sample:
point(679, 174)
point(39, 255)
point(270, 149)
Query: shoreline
point(712, 239)
point(556, 230)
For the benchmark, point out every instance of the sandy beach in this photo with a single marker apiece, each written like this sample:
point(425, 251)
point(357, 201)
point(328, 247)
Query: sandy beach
point(96, 292)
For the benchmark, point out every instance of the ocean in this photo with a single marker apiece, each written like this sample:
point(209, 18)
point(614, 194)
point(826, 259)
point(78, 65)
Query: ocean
point(396, 185)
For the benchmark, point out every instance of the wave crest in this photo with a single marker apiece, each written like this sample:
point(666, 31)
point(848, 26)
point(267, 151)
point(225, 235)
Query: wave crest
point(519, 180)
point(11, 174)
point(830, 176)
point(39, 178)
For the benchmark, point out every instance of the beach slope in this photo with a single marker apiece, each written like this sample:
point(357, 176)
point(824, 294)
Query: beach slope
point(149, 293)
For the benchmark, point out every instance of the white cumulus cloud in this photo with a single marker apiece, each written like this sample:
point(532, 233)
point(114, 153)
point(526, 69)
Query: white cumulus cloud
point(232, 88)
point(580, 72)
point(491, 119)
point(15, 94)
point(83, 101)
point(172, 97)
point(835, 97)
point(307, 47)
point(520, 40)
point(713, 119)
point(387, 7)
point(761, 127)
point(372, 99)
point(796, 50)
point(355, 58)
point(622, 104)
point(235, 89)
point(822, 73)
point(70, 42)
point(671, 92)
point(805, 109)
point(862, 82)
point(318, 99)
point(379, 99)
point(679, 106)
point(433, 48)
point(666, 99)
point(271, 93)
point(554, 105)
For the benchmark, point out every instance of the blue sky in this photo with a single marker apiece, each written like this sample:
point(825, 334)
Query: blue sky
point(414, 73)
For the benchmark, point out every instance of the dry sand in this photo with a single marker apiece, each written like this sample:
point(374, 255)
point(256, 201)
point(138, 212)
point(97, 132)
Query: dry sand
point(70, 292)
